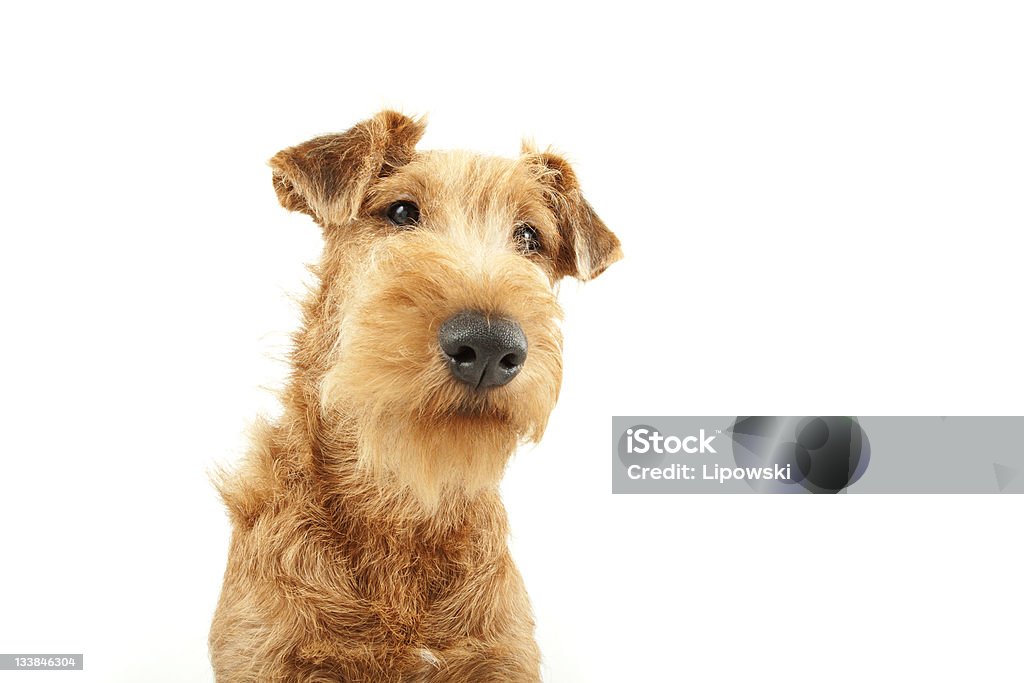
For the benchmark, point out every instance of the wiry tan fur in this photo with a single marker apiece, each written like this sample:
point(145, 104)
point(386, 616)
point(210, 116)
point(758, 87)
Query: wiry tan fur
point(369, 539)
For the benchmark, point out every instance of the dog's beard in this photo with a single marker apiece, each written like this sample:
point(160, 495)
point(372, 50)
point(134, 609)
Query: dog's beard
point(453, 454)
point(442, 439)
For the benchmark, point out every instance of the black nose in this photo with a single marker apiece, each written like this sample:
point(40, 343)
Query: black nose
point(483, 352)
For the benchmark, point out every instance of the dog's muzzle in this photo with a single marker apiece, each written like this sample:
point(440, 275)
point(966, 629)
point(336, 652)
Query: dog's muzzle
point(482, 352)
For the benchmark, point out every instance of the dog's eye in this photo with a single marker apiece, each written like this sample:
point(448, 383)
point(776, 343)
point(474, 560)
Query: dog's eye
point(527, 239)
point(403, 214)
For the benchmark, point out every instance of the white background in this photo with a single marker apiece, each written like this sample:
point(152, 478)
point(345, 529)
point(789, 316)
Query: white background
point(821, 210)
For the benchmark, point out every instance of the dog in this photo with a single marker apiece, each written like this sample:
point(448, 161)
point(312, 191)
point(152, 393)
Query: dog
point(368, 535)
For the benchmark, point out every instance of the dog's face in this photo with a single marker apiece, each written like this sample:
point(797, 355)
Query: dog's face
point(438, 328)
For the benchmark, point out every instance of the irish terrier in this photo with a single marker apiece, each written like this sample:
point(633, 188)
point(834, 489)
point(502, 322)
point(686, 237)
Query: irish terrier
point(369, 539)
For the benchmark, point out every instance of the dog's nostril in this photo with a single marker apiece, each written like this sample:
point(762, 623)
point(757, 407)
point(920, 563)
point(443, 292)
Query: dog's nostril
point(510, 361)
point(464, 355)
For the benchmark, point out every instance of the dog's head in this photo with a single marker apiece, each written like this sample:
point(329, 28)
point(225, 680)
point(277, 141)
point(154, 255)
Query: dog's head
point(436, 331)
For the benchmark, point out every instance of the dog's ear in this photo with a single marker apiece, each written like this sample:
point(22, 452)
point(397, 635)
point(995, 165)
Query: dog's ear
point(587, 246)
point(327, 176)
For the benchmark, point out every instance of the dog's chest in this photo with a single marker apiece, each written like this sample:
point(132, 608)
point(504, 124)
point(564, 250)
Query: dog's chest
point(419, 588)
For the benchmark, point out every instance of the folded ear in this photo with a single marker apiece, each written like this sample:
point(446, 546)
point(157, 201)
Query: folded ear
point(327, 176)
point(587, 247)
